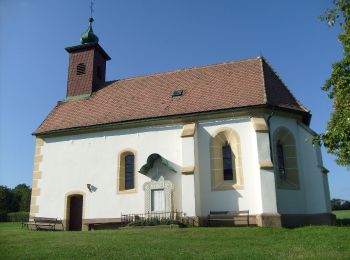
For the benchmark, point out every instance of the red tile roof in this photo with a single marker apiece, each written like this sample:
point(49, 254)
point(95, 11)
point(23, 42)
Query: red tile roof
point(245, 83)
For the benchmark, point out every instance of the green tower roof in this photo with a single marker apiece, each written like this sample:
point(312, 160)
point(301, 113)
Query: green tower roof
point(89, 36)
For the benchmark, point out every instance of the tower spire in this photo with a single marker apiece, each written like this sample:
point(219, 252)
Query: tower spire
point(89, 36)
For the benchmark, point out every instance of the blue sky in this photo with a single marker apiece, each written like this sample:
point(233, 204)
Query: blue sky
point(145, 37)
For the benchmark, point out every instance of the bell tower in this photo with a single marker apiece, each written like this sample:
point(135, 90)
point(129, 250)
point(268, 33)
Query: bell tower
point(87, 65)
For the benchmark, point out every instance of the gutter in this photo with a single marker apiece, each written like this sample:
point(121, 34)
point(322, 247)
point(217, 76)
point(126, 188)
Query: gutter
point(270, 140)
point(67, 131)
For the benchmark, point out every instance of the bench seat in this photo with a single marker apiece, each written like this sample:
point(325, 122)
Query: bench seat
point(229, 217)
point(42, 223)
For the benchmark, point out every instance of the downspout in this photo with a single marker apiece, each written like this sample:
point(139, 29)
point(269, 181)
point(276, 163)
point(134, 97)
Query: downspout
point(271, 157)
point(270, 140)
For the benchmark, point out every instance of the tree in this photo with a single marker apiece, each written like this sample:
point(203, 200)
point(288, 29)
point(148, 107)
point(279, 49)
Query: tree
point(16, 199)
point(6, 199)
point(22, 194)
point(337, 137)
point(339, 204)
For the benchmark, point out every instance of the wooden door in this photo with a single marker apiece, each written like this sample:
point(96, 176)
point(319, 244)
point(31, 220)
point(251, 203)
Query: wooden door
point(75, 212)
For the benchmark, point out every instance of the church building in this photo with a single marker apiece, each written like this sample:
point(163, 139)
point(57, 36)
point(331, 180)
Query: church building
point(226, 137)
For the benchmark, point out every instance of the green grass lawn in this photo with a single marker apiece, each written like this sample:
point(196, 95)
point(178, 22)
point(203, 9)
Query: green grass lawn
point(153, 243)
point(343, 217)
point(342, 214)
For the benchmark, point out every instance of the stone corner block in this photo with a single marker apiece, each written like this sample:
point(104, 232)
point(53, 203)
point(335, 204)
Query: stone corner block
point(269, 220)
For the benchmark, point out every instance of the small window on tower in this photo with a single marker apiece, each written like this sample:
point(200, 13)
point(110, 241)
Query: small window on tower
point(81, 69)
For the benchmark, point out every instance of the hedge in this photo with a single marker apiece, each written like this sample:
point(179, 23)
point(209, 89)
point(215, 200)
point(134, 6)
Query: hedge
point(20, 216)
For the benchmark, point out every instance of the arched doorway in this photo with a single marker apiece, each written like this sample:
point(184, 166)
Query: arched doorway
point(75, 212)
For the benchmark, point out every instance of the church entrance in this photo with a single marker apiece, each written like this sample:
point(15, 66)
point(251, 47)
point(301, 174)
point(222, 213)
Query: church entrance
point(75, 203)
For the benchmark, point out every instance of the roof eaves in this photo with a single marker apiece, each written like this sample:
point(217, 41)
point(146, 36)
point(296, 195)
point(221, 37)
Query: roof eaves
point(88, 46)
point(51, 112)
point(170, 117)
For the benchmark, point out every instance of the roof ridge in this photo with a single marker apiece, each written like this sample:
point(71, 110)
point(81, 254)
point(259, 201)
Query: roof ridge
point(186, 69)
point(263, 78)
point(284, 84)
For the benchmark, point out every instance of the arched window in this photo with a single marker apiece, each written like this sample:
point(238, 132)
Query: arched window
point(285, 159)
point(226, 168)
point(280, 160)
point(227, 162)
point(81, 69)
point(127, 174)
point(129, 171)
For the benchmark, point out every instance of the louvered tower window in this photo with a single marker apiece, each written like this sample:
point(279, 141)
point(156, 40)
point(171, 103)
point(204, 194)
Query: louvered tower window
point(81, 69)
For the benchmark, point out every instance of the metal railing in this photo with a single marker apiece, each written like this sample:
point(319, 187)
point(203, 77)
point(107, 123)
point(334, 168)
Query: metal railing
point(172, 215)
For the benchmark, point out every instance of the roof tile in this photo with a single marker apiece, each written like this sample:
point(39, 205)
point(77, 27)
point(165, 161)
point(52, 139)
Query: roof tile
point(214, 87)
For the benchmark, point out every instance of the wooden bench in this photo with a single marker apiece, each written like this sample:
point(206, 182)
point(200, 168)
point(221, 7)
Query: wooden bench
point(46, 223)
point(229, 217)
point(91, 224)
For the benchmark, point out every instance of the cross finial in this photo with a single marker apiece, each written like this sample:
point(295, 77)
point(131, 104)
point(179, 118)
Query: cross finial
point(91, 7)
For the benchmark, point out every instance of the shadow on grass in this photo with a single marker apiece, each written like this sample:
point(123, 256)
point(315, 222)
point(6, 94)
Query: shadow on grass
point(343, 222)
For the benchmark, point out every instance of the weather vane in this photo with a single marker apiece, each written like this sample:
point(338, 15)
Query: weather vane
point(91, 7)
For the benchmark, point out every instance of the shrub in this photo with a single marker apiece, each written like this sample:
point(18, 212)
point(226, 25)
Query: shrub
point(154, 222)
point(21, 216)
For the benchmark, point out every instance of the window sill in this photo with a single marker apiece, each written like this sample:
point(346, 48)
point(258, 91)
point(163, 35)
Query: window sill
point(131, 191)
point(227, 186)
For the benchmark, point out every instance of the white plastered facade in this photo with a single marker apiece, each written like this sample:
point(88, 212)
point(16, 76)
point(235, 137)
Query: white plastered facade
point(71, 162)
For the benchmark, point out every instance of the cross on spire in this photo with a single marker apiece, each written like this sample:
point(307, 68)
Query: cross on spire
point(89, 36)
point(91, 7)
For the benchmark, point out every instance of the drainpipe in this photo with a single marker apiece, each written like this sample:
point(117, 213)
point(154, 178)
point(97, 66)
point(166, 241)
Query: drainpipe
point(268, 124)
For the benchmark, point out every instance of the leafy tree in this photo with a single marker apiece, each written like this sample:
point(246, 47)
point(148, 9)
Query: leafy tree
point(6, 199)
point(13, 200)
point(339, 204)
point(22, 194)
point(336, 204)
point(337, 137)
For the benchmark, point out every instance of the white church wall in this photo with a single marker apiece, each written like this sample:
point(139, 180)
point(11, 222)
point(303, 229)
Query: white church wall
point(266, 181)
point(70, 163)
point(188, 204)
point(310, 197)
point(196, 175)
point(290, 201)
point(232, 200)
point(316, 191)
